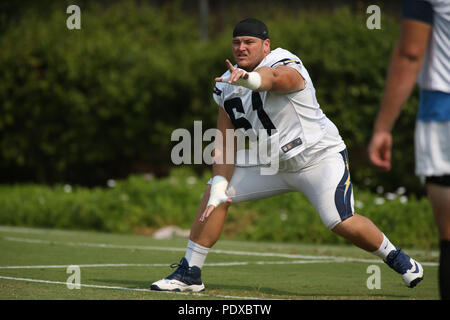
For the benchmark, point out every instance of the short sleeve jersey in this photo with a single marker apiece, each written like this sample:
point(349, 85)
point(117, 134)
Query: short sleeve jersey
point(295, 119)
point(435, 72)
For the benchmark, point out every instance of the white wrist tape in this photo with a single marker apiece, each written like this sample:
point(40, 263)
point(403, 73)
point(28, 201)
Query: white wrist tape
point(217, 194)
point(253, 82)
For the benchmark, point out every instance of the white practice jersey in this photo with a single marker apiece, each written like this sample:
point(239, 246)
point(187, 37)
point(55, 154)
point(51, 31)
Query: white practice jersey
point(297, 118)
point(435, 72)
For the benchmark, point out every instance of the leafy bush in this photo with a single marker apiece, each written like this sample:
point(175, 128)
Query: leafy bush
point(83, 106)
point(86, 105)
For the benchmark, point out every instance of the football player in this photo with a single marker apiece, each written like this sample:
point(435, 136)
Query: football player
point(422, 53)
point(271, 90)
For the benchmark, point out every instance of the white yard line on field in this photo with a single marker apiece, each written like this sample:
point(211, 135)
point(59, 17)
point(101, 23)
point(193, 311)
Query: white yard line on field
point(147, 265)
point(26, 230)
point(132, 289)
point(230, 252)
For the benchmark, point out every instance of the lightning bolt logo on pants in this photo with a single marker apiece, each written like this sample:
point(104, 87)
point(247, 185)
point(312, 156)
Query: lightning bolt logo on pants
point(343, 194)
point(347, 182)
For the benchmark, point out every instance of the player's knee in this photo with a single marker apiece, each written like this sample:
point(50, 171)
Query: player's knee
point(332, 224)
point(342, 227)
point(333, 221)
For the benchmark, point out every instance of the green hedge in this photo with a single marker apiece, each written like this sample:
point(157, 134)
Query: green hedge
point(94, 103)
point(82, 106)
point(142, 204)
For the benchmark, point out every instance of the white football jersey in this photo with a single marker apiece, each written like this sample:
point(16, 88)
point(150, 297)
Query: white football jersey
point(435, 71)
point(297, 118)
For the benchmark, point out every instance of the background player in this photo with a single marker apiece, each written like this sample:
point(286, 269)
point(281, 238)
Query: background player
point(422, 52)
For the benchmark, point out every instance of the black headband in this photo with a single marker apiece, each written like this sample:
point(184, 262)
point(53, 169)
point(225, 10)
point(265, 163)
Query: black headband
point(252, 28)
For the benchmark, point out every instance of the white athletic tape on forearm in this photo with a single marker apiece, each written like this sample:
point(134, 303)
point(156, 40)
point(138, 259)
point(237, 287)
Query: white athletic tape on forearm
point(253, 82)
point(217, 194)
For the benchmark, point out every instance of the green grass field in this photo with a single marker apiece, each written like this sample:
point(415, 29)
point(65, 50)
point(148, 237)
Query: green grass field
point(33, 265)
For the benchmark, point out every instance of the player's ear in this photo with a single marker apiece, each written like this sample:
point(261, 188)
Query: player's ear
point(266, 46)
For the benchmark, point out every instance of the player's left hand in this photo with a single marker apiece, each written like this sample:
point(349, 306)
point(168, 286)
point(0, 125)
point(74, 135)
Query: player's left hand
point(217, 196)
point(210, 208)
point(380, 149)
point(235, 74)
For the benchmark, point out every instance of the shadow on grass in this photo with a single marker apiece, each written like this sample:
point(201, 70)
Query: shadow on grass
point(272, 293)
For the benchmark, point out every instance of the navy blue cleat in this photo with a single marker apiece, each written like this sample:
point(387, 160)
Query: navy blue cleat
point(411, 270)
point(185, 278)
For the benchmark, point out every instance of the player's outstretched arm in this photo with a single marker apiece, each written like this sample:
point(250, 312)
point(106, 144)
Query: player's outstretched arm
point(404, 67)
point(281, 79)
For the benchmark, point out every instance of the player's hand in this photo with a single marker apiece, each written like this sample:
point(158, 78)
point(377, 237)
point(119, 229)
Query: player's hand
point(217, 196)
point(380, 148)
point(235, 74)
point(209, 209)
